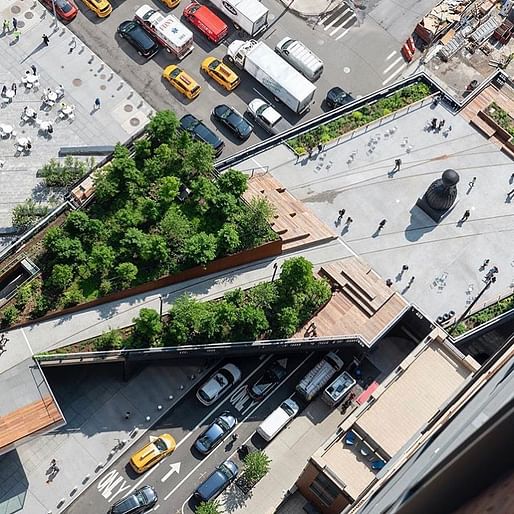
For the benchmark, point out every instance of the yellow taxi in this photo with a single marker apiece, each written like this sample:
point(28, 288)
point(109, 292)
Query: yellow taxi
point(102, 8)
point(170, 3)
point(220, 72)
point(181, 81)
point(153, 452)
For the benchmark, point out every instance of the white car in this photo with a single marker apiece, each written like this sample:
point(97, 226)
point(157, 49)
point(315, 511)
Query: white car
point(278, 419)
point(221, 381)
point(267, 117)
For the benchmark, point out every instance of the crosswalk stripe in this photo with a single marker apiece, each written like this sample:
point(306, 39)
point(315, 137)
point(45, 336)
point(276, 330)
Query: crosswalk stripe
point(392, 65)
point(343, 25)
point(337, 19)
point(393, 53)
point(343, 34)
point(396, 72)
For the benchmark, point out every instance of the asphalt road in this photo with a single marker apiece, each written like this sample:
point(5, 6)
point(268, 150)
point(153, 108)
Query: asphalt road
point(359, 55)
point(176, 477)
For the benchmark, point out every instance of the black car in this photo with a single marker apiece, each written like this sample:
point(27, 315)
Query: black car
point(217, 481)
point(138, 38)
point(232, 120)
point(337, 97)
point(215, 433)
point(139, 501)
point(201, 132)
point(267, 380)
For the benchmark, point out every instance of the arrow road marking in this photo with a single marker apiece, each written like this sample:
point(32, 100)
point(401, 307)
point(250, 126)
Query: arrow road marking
point(175, 468)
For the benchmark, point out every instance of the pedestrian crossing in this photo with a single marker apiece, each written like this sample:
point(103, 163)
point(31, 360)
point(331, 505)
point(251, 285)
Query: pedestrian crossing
point(338, 22)
point(395, 64)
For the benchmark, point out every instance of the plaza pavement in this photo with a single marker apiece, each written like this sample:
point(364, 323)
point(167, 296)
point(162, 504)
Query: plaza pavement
point(444, 258)
point(84, 77)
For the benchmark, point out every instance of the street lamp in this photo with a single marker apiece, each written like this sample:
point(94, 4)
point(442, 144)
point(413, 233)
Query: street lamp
point(55, 14)
point(275, 267)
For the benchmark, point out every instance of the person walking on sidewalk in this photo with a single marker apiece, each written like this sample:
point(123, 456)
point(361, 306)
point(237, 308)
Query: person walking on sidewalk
point(46, 39)
point(34, 69)
point(6, 26)
point(15, 23)
point(397, 164)
point(381, 225)
point(341, 214)
point(466, 215)
point(97, 103)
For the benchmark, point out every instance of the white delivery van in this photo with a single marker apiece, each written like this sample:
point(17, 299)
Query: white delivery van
point(278, 419)
point(300, 57)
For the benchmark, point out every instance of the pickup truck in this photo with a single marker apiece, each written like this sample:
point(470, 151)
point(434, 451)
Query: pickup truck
point(267, 117)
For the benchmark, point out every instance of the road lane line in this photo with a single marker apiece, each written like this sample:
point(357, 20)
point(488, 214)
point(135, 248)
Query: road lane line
point(392, 65)
point(183, 440)
point(336, 19)
point(390, 56)
point(244, 419)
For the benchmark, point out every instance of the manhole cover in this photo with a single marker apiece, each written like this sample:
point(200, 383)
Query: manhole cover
point(15, 9)
point(134, 122)
point(29, 15)
point(77, 82)
point(102, 76)
point(128, 108)
point(103, 87)
point(346, 69)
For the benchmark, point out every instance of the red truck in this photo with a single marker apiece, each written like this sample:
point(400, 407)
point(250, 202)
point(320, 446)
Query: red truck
point(214, 28)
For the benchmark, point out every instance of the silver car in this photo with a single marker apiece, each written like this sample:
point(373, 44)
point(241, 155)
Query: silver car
point(215, 433)
point(220, 382)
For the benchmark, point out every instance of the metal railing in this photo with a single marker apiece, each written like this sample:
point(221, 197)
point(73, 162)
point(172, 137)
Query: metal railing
point(205, 350)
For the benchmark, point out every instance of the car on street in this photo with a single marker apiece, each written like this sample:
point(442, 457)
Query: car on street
point(278, 419)
point(234, 121)
point(201, 132)
point(267, 117)
point(336, 97)
point(215, 433)
point(217, 481)
point(220, 72)
point(102, 8)
point(153, 452)
point(181, 81)
point(65, 9)
point(141, 500)
point(137, 36)
point(267, 380)
point(218, 383)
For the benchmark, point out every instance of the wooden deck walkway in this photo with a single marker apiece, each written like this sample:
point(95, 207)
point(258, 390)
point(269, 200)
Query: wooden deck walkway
point(294, 223)
point(362, 303)
point(28, 420)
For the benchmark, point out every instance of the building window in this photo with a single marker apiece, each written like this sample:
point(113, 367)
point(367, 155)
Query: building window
point(324, 489)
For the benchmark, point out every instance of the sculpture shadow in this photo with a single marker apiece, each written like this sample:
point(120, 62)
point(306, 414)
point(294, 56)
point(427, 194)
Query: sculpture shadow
point(419, 225)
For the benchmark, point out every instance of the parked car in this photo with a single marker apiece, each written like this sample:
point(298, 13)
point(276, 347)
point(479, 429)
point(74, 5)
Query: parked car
point(138, 38)
point(65, 9)
point(220, 72)
point(153, 452)
point(215, 433)
point(213, 27)
point(139, 501)
point(181, 81)
point(220, 382)
point(278, 419)
point(267, 380)
point(217, 481)
point(234, 121)
point(102, 8)
point(201, 132)
point(267, 117)
point(337, 97)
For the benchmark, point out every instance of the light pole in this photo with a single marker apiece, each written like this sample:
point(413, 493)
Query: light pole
point(275, 267)
point(55, 14)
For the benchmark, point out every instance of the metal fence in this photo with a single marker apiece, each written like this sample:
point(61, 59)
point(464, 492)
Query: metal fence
point(216, 350)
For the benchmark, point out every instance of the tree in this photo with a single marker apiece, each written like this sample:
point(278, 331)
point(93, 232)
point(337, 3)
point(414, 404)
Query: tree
point(198, 160)
point(9, 316)
point(126, 273)
point(135, 244)
point(60, 278)
point(200, 248)
point(251, 323)
point(176, 228)
point(253, 223)
point(111, 340)
point(167, 190)
point(102, 258)
point(203, 194)
point(210, 507)
point(162, 128)
point(234, 182)
point(79, 224)
point(295, 275)
point(62, 248)
point(73, 296)
point(147, 327)
point(256, 466)
point(228, 239)
point(287, 322)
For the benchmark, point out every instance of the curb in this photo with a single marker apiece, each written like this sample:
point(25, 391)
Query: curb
point(331, 7)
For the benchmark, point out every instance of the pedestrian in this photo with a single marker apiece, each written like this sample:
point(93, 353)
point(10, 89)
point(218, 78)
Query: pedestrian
point(46, 39)
point(405, 267)
point(434, 123)
point(349, 220)
point(15, 23)
point(441, 125)
point(466, 215)
point(127, 414)
point(13, 87)
point(471, 184)
point(484, 264)
point(53, 463)
point(397, 164)
point(97, 103)
point(320, 147)
point(341, 214)
point(4, 90)
point(73, 45)
point(411, 280)
point(235, 437)
point(381, 225)
point(16, 35)
point(6, 27)
point(309, 149)
point(509, 194)
point(389, 282)
point(34, 69)
point(511, 179)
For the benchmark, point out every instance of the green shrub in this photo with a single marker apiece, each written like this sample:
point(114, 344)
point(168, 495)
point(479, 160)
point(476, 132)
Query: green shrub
point(9, 316)
point(112, 340)
point(256, 467)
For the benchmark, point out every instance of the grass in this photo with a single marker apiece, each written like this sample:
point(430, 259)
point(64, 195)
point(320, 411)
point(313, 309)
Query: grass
point(359, 118)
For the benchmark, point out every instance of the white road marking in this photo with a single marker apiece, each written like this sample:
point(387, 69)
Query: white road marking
point(342, 34)
point(336, 19)
point(391, 77)
point(205, 418)
point(242, 420)
point(392, 65)
point(343, 25)
point(175, 468)
point(26, 340)
point(390, 56)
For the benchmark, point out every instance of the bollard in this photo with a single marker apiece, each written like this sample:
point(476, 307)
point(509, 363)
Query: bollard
point(181, 387)
point(170, 397)
point(74, 490)
point(147, 418)
point(159, 407)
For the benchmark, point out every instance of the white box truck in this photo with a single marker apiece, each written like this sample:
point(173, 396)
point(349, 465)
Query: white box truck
point(270, 70)
point(250, 15)
point(319, 376)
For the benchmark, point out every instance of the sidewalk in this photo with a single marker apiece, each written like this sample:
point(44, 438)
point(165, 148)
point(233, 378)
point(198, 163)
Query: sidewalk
point(306, 8)
point(94, 405)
